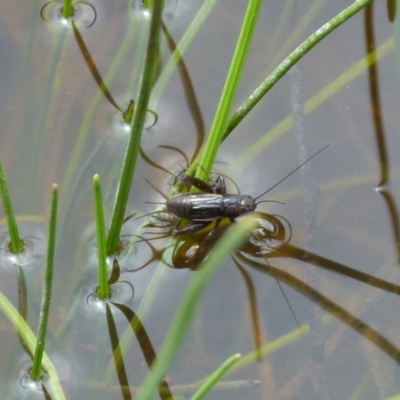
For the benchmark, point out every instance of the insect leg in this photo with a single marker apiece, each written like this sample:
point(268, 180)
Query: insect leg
point(195, 227)
point(188, 180)
point(219, 186)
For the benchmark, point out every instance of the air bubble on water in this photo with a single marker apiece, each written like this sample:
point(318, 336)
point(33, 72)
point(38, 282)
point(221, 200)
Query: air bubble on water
point(84, 14)
point(120, 292)
point(94, 302)
point(31, 385)
point(34, 243)
point(120, 128)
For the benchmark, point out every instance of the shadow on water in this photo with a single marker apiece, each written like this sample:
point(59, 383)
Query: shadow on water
point(376, 112)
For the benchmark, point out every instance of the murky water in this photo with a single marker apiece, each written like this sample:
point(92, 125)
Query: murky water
point(339, 271)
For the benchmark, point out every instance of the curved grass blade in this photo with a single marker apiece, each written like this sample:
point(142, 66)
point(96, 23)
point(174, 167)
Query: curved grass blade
point(78, 153)
point(215, 377)
point(139, 117)
point(146, 347)
point(36, 370)
point(367, 331)
point(16, 244)
point(280, 51)
point(291, 60)
point(190, 94)
point(92, 66)
point(115, 272)
point(317, 100)
point(232, 239)
point(177, 56)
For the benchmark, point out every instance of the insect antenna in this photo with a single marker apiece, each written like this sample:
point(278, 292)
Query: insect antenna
point(160, 167)
point(157, 190)
point(270, 201)
point(164, 146)
point(291, 173)
point(287, 302)
point(232, 181)
point(144, 215)
point(151, 162)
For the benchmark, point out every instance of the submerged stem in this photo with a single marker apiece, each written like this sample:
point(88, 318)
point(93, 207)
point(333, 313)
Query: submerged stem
point(103, 291)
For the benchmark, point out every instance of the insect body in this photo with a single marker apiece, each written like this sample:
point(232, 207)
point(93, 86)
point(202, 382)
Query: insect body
point(209, 206)
point(213, 204)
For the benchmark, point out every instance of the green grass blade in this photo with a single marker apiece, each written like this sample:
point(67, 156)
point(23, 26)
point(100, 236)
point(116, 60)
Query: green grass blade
point(277, 54)
point(215, 377)
point(30, 341)
point(16, 244)
point(291, 60)
point(67, 10)
point(138, 121)
point(231, 241)
point(103, 291)
point(397, 397)
point(36, 370)
point(228, 93)
point(317, 100)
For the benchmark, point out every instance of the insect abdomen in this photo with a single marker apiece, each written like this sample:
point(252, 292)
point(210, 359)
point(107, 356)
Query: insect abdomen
point(199, 206)
point(204, 206)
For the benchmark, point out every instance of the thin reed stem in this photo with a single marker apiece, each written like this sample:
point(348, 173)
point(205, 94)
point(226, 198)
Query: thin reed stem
point(137, 125)
point(291, 60)
point(228, 93)
point(36, 370)
point(277, 74)
point(29, 339)
point(103, 291)
point(67, 10)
